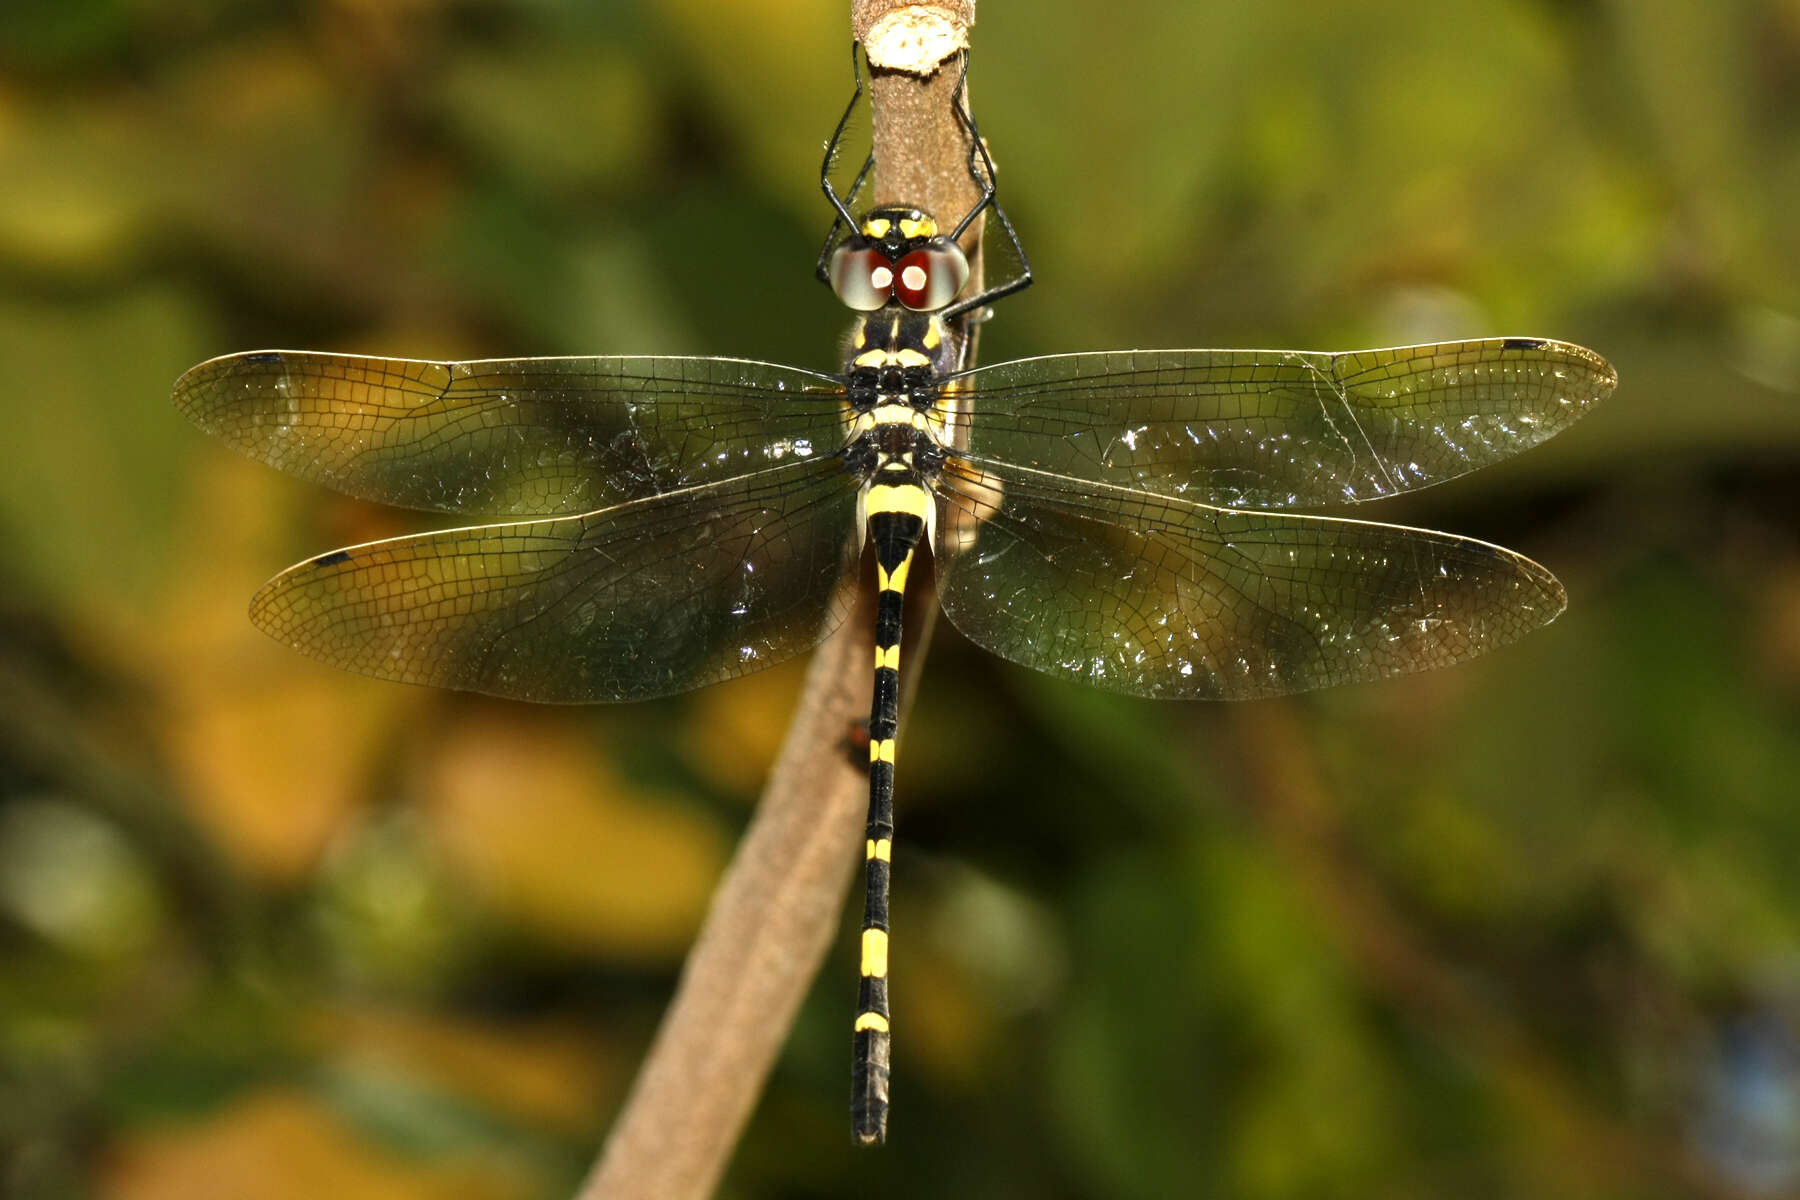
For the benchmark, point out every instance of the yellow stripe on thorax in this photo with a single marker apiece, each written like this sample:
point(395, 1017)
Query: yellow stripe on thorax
point(894, 414)
point(905, 356)
point(897, 414)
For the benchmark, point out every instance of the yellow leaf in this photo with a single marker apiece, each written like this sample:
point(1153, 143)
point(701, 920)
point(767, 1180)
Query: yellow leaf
point(279, 1144)
point(543, 826)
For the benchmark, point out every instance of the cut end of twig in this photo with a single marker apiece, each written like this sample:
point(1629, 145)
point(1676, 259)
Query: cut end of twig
point(909, 37)
point(916, 40)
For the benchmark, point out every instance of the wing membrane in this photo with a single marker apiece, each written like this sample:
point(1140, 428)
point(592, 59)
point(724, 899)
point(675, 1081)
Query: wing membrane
point(1154, 596)
point(1280, 429)
point(512, 437)
point(639, 600)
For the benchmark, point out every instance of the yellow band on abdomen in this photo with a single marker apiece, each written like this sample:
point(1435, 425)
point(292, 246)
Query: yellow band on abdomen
point(907, 499)
point(874, 953)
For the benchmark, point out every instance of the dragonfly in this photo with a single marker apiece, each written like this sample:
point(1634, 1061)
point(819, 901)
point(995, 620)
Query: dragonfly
point(1126, 519)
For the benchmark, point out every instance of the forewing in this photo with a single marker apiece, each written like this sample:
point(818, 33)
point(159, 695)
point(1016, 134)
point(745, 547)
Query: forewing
point(1154, 596)
point(1276, 428)
point(512, 437)
point(639, 600)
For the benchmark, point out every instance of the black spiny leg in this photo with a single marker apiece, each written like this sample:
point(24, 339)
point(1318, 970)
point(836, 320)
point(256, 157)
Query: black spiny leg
point(981, 170)
point(843, 220)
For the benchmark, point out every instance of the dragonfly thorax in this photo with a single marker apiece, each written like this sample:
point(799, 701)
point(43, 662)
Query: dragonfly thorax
point(897, 360)
point(897, 357)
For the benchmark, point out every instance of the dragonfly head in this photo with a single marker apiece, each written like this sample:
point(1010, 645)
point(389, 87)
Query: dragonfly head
point(898, 256)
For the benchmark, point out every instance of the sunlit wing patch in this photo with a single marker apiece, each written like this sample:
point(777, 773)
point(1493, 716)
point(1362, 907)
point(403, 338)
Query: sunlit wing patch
point(1280, 429)
point(1154, 596)
point(639, 600)
point(512, 437)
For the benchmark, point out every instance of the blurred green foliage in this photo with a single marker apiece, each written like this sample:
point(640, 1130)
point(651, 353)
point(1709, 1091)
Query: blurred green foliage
point(1525, 928)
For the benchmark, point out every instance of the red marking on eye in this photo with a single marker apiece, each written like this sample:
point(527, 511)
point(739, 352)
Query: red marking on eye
point(931, 276)
point(915, 279)
point(862, 277)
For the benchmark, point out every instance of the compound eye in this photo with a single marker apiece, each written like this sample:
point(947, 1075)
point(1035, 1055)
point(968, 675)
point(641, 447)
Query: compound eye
point(862, 277)
point(929, 278)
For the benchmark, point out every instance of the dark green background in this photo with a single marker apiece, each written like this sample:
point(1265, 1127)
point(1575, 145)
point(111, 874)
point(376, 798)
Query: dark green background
point(1530, 927)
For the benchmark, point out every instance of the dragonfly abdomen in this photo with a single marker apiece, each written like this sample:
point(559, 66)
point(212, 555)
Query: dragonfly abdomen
point(897, 503)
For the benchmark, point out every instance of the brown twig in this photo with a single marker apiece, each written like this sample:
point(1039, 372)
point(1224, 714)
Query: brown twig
point(778, 904)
